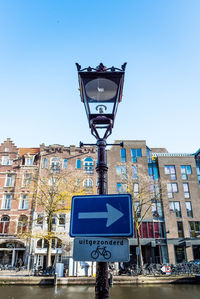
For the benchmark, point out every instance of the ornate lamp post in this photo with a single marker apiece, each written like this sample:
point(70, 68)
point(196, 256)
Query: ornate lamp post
point(101, 92)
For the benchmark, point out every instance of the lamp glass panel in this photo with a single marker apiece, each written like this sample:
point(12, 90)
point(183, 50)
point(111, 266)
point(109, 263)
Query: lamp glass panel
point(101, 90)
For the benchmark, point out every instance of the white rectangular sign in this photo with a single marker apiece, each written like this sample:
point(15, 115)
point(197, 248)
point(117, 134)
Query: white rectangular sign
point(101, 249)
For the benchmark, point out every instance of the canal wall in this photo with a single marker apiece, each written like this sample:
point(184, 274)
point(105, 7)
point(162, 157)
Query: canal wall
point(118, 280)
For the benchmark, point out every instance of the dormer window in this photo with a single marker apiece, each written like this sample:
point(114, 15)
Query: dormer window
point(29, 161)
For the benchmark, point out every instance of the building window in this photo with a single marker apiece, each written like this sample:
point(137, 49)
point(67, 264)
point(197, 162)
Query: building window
point(149, 158)
point(24, 202)
point(45, 163)
point(198, 172)
point(78, 164)
point(180, 229)
point(54, 222)
point(29, 161)
point(185, 170)
point(180, 254)
point(88, 165)
point(61, 220)
point(53, 181)
point(174, 206)
point(39, 244)
point(189, 208)
point(121, 188)
point(45, 243)
point(4, 224)
point(157, 209)
point(196, 252)
point(65, 163)
point(56, 243)
point(171, 189)
point(10, 180)
point(6, 202)
point(39, 220)
point(171, 171)
point(123, 155)
point(186, 190)
point(137, 209)
point(22, 224)
point(121, 170)
point(135, 172)
point(136, 153)
point(55, 165)
point(155, 191)
point(27, 179)
point(153, 171)
point(194, 228)
point(88, 183)
point(151, 230)
point(6, 161)
point(135, 189)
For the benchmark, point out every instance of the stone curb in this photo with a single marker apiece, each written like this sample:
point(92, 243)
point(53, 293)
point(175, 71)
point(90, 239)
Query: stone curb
point(118, 280)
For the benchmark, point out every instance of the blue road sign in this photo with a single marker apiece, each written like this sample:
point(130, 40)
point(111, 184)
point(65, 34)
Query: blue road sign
point(101, 215)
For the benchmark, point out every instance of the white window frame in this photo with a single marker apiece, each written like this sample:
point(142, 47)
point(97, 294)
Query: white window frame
point(27, 179)
point(55, 165)
point(88, 183)
point(6, 202)
point(122, 170)
point(136, 189)
point(29, 161)
point(5, 160)
point(171, 189)
point(24, 202)
point(64, 217)
point(45, 163)
point(65, 163)
point(10, 180)
point(42, 217)
point(186, 190)
point(88, 166)
point(53, 181)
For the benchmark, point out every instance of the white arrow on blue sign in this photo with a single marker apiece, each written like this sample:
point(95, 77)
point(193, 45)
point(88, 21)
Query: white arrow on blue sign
point(101, 215)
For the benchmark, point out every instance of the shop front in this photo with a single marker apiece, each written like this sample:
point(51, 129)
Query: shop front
point(11, 253)
point(153, 251)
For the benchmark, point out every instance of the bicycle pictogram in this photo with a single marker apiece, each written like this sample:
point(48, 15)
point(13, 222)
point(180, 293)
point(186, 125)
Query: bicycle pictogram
point(101, 251)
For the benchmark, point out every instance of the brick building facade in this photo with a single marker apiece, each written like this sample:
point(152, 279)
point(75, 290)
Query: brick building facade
point(170, 229)
point(18, 167)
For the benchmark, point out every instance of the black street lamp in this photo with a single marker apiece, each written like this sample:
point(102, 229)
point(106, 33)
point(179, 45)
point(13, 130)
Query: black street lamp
point(101, 92)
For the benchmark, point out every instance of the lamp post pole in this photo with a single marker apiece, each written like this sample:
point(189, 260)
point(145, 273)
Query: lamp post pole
point(102, 285)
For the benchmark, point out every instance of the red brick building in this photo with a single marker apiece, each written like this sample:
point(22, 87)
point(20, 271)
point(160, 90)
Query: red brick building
point(18, 167)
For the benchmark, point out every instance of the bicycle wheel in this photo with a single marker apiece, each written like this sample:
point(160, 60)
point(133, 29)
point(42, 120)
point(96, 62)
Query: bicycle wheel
point(107, 255)
point(94, 254)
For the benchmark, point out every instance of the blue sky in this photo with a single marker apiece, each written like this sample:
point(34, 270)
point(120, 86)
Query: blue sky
point(40, 41)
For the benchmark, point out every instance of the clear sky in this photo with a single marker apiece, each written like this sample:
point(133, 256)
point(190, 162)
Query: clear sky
point(40, 41)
